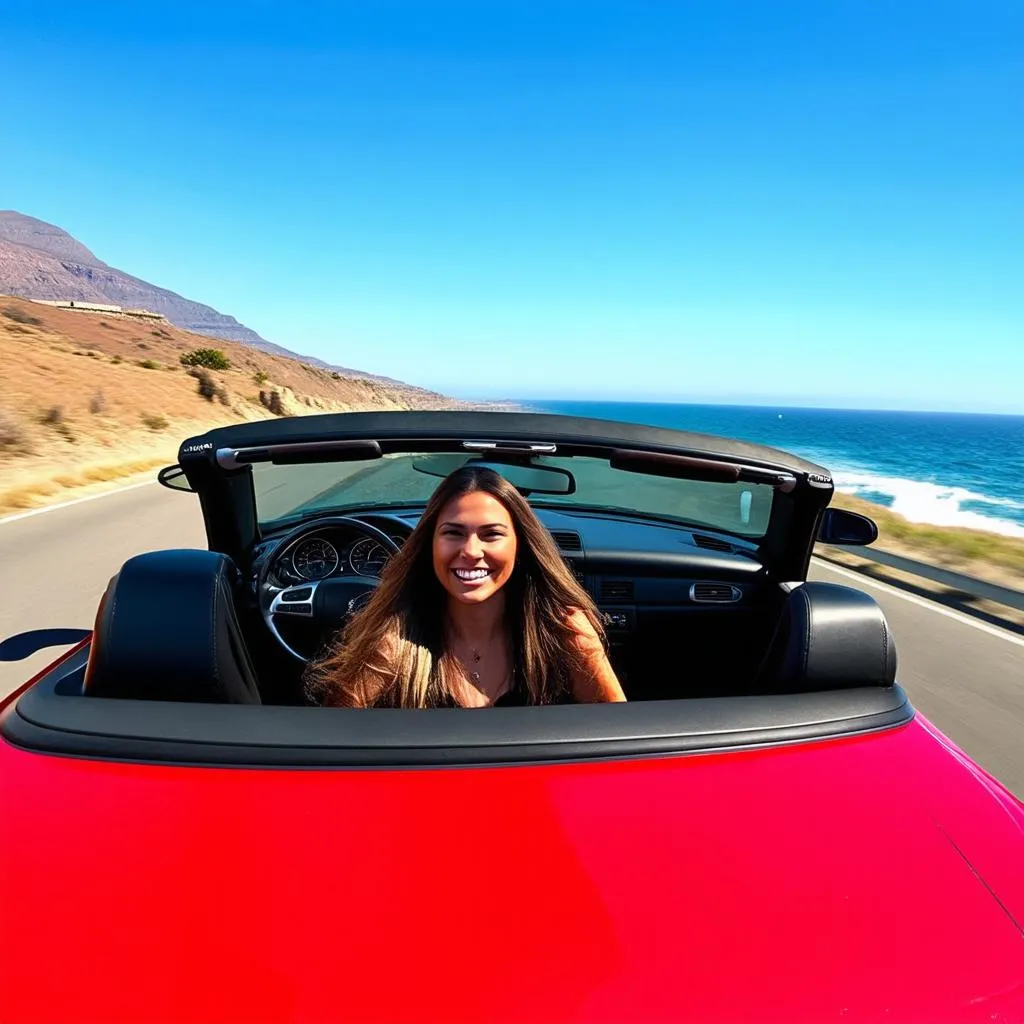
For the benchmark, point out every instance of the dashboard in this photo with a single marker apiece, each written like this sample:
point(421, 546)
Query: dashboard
point(619, 560)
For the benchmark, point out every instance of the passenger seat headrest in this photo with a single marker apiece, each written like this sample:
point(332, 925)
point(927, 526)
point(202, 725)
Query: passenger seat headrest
point(167, 629)
point(831, 637)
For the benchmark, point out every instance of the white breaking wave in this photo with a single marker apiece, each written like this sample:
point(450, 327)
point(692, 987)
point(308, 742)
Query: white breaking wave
point(932, 503)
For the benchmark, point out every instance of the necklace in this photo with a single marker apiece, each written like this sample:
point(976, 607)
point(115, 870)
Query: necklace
point(474, 674)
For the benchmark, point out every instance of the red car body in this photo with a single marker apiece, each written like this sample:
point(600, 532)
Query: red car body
point(650, 889)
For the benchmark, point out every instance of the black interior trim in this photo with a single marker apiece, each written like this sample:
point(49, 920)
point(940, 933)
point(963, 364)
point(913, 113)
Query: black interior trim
point(50, 718)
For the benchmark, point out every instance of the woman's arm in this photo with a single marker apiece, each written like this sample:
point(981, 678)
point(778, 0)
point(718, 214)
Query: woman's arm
point(593, 678)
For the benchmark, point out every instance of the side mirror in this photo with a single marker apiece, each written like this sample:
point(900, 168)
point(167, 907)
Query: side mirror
point(838, 526)
point(174, 478)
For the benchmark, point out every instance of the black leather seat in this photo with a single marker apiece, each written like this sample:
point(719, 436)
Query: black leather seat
point(829, 637)
point(167, 629)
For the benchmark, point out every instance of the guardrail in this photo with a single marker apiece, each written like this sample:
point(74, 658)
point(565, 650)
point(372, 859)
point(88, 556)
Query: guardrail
point(946, 577)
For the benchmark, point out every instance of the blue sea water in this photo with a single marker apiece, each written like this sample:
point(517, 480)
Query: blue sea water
point(949, 469)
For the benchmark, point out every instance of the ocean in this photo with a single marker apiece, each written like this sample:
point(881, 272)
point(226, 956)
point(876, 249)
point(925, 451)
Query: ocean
point(948, 469)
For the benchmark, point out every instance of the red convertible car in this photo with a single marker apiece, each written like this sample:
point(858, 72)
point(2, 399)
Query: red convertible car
point(765, 831)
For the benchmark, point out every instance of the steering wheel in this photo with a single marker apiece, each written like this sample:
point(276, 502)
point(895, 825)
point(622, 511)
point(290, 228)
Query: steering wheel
point(328, 601)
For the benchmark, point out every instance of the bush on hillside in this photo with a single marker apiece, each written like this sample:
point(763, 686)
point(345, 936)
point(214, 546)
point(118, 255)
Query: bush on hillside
point(207, 387)
point(54, 417)
point(11, 433)
point(210, 358)
point(271, 401)
point(19, 316)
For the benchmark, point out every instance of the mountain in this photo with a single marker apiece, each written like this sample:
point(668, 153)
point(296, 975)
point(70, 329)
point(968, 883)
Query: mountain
point(41, 261)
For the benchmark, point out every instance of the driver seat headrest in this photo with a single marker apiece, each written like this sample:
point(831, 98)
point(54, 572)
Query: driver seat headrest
point(167, 629)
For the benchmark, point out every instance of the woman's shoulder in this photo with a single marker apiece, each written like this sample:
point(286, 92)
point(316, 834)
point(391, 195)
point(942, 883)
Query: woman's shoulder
point(577, 618)
point(580, 624)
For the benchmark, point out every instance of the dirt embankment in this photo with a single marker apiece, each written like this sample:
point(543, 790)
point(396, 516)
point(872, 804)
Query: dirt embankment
point(86, 398)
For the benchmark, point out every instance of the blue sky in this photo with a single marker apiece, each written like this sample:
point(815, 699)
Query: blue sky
point(809, 203)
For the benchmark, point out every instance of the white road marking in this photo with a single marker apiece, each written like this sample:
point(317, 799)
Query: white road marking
point(76, 501)
point(914, 599)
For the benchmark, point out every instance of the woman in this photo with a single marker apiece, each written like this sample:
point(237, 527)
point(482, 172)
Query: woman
point(476, 610)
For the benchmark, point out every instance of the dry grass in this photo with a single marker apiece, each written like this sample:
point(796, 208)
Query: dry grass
point(27, 496)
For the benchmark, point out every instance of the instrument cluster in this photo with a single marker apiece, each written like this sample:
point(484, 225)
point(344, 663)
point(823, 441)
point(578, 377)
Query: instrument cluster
point(318, 557)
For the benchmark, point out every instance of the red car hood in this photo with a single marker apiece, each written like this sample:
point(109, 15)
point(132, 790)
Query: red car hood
point(868, 879)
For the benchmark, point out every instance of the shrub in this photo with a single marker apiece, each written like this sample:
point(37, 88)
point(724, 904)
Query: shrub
point(116, 360)
point(222, 395)
point(260, 377)
point(19, 316)
point(149, 364)
point(54, 417)
point(211, 358)
point(11, 433)
point(271, 401)
point(206, 386)
point(97, 403)
point(155, 422)
point(336, 375)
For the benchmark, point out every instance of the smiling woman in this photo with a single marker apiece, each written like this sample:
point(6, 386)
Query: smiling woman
point(477, 609)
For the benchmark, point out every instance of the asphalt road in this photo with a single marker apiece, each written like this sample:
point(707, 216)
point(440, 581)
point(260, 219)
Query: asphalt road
point(968, 678)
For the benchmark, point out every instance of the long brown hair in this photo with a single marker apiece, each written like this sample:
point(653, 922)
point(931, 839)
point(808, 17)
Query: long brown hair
point(392, 653)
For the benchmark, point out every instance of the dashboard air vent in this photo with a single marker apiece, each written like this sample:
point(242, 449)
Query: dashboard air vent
point(712, 543)
point(567, 540)
point(714, 593)
point(617, 590)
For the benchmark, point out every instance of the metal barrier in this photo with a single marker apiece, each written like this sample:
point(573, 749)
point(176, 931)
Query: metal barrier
point(945, 577)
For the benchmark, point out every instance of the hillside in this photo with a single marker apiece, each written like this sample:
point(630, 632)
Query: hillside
point(41, 261)
point(86, 398)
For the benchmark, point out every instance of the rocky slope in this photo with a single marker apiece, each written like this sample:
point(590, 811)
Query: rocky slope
point(41, 261)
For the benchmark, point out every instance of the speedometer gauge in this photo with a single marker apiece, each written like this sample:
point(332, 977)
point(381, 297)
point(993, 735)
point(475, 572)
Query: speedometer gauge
point(367, 557)
point(314, 559)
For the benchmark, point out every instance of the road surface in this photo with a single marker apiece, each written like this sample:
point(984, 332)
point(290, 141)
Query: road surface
point(967, 678)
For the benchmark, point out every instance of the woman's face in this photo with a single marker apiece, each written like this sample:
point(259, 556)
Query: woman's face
point(474, 547)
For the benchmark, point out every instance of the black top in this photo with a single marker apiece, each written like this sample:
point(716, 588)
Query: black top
point(516, 696)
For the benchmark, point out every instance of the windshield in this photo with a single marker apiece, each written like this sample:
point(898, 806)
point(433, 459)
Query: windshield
point(291, 491)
